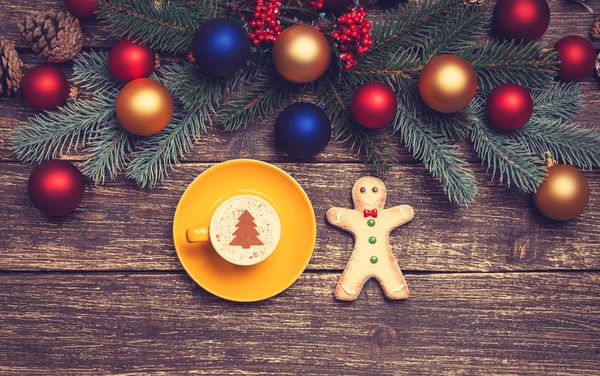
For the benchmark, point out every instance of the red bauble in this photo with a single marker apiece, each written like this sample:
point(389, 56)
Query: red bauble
point(45, 87)
point(509, 106)
point(374, 105)
point(84, 9)
point(525, 20)
point(56, 187)
point(130, 60)
point(337, 6)
point(577, 57)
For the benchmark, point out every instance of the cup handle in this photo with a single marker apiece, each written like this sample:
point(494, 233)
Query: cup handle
point(196, 235)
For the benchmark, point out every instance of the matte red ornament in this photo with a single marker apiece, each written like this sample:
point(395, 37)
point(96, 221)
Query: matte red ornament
point(577, 57)
point(45, 87)
point(84, 9)
point(374, 105)
point(56, 187)
point(509, 106)
point(525, 20)
point(129, 60)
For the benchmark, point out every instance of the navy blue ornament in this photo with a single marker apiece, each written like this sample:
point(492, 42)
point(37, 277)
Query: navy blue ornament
point(221, 47)
point(302, 130)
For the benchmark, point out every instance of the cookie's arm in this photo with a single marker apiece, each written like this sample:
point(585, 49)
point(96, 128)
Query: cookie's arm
point(339, 217)
point(401, 214)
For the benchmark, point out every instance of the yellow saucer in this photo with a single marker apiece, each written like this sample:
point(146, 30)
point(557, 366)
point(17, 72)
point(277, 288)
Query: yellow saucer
point(278, 271)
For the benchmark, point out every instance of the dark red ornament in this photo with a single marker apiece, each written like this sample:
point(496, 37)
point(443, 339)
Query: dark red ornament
point(337, 6)
point(374, 105)
point(130, 60)
point(45, 87)
point(84, 9)
point(509, 106)
point(56, 187)
point(577, 57)
point(525, 20)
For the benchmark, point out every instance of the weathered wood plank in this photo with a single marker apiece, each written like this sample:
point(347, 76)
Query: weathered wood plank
point(567, 18)
point(460, 324)
point(501, 231)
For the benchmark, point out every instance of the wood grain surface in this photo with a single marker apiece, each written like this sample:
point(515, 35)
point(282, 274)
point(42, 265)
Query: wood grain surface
point(496, 289)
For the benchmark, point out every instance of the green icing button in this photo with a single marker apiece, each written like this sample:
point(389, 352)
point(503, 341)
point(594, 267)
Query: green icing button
point(372, 240)
point(371, 222)
point(374, 259)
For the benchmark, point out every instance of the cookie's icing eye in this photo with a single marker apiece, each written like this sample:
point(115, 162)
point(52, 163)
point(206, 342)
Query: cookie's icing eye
point(362, 190)
point(375, 189)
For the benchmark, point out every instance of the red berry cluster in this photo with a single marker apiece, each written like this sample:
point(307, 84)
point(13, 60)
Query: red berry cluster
point(352, 35)
point(264, 25)
point(318, 4)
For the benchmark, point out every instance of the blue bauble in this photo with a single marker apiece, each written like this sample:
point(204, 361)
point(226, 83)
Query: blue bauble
point(221, 47)
point(302, 130)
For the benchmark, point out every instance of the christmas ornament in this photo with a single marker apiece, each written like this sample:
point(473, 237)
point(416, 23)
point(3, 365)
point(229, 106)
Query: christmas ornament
point(56, 187)
point(301, 54)
point(10, 68)
point(577, 57)
point(221, 47)
point(337, 6)
point(564, 193)
point(56, 36)
point(129, 60)
point(45, 87)
point(351, 32)
point(448, 83)
point(264, 24)
point(525, 20)
point(374, 105)
point(372, 255)
point(84, 9)
point(144, 107)
point(302, 130)
point(509, 106)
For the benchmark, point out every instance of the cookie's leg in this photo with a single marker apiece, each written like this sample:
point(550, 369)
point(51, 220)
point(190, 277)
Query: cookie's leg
point(351, 283)
point(392, 281)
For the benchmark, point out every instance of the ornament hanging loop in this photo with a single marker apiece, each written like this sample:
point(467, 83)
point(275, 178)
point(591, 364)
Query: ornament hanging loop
point(549, 160)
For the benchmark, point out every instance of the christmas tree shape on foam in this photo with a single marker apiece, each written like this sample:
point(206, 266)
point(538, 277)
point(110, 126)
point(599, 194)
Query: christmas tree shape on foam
point(246, 234)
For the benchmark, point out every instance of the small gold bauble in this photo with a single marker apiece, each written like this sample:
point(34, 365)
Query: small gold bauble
point(144, 107)
point(564, 194)
point(448, 83)
point(301, 54)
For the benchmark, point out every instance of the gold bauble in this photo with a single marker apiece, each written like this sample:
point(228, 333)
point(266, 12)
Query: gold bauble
point(448, 83)
point(301, 54)
point(144, 107)
point(564, 194)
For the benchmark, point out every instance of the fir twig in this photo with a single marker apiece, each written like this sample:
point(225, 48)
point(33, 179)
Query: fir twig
point(92, 73)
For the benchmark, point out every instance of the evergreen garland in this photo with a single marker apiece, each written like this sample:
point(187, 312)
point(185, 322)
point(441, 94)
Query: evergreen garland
point(404, 40)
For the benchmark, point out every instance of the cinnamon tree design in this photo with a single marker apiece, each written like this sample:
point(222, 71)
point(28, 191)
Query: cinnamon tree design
point(246, 235)
point(401, 42)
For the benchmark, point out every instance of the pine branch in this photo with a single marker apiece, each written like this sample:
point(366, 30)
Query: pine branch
point(157, 154)
point(107, 152)
point(333, 100)
point(509, 159)
point(559, 101)
point(92, 73)
point(53, 134)
point(497, 63)
point(167, 26)
point(568, 142)
point(434, 149)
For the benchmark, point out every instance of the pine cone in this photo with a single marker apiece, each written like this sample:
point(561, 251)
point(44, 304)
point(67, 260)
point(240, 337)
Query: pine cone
point(10, 68)
point(595, 33)
point(57, 36)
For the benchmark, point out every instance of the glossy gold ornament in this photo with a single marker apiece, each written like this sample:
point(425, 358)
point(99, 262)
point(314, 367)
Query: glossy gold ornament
point(448, 83)
point(564, 194)
point(144, 107)
point(301, 54)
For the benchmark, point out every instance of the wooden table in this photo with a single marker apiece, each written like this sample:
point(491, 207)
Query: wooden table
point(495, 288)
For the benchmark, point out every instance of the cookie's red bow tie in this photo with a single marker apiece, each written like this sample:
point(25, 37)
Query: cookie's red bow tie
point(370, 213)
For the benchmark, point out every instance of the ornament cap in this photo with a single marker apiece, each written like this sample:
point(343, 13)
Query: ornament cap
point(549, 160)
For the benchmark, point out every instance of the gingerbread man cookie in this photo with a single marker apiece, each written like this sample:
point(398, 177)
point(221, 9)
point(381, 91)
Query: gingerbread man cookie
point(372, 256)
